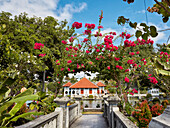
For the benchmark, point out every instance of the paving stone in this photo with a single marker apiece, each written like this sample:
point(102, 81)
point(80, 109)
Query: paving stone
point(90, 121)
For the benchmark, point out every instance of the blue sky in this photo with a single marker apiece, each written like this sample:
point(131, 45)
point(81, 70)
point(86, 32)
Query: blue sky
point(88, 11)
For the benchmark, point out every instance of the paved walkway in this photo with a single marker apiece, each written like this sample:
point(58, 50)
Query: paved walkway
point(90, 121)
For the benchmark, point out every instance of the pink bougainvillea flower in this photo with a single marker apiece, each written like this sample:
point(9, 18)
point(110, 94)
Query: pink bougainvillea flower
point(139, 66)
point(67, 49)
point(69, 61)
point(114, 33)
point(85, 40)
point(73, 70)
point(130, 61)
point(117, 59)
point(150, 75)
point(137, 52)
point(108, 67)
point(97, 58)
point(90, 62)
point(76, 25)
point(100, 26)
point(161, 52)
point(71, 39)
point(64, 42)
point(128, 36)
point(58, 82)
point(87, 51)
point(42, 55)
point(135, 91)
point(127, 70)
point(87, 32)
point(117, 66)
point(153, 80)
point(75, 55)
point(68, 69)
point(132, 53)
point(126, 80)
point(62, 69)
point(97, 50)
point(38, 46)
point(132, 93)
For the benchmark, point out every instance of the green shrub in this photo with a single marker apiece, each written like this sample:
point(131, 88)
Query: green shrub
point(157, 110)
point(142, 114)
point(59, 96)
point(148, 96)
point(156, 100)
point(128, 108)
point(91, 96)
point(68, 96)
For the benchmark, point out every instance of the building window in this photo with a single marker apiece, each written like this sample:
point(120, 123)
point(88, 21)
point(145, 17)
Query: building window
point(90, 91)
point(102, 91)
point(66, 92)
point(82, 91)
point(73, 92)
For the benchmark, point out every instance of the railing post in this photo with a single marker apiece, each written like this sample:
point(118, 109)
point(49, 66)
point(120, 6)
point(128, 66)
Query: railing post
point(105, 106)
point(63, 103)
point(78, 101)
point(113, 100)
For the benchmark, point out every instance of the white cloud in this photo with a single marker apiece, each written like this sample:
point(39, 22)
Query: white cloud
point(142, 11)
point(41, 8)
point(107, 30)
point(82, 75)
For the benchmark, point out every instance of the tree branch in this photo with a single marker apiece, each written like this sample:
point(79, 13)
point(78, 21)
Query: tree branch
point(162, 6)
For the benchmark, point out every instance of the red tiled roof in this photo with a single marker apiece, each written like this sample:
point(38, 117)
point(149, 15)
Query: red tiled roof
point(84, 83)
point(100, 84)
point(67, 84)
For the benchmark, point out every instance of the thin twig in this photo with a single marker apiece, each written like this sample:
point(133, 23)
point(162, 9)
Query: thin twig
point(162, 6)
point(164, 30)
point(168, 39)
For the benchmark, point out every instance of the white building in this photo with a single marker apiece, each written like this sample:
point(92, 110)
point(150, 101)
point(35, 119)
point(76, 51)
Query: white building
point(154, 92)
point(84, 88)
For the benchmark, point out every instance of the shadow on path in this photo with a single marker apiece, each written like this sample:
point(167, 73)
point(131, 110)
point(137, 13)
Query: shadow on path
point(90, 121)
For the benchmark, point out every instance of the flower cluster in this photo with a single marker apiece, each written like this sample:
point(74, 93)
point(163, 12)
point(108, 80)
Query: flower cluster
point(119, 67)
point(153, 80)
point(38, 46)
point(42, 55)
point(126, 80)
point(142, 114)
point(76, 25)
point(90, 26)
point(164, 55)
point(157, 110)
point(109, 43)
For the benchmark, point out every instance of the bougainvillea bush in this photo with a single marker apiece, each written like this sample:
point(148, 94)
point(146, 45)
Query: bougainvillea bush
point(157, 110)
point(142, 114)
point(98, 52)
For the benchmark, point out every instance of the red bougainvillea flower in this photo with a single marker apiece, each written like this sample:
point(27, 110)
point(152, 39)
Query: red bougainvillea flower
point(100, 26)
point(126, 80)
point(135, 65)
point(127, 70)
point(62, 69)
point(127, 92)
point(75, 55)
point(42, 55)
point(108, 67)
point(73, 70)
point(68, 69)
point(139, 66)
point(85, 40)
point(76, 25)
point(69, 61)
point(135, 91)
point(153, 80)
point(137, 52)
point(128, 36)
point(100, 17)
point(132, 93)
point(67, 49)
point(71, 39)
point(150, 75)
point(97, 50)
point(97, 58)
point(89, 26)
point(64, 42)
point(90, 62)
point(57, 62)
point(132, 53)
point(87, 51)
point(130, 61)
point(87, 32)
point(161, 52)
point(58, 82)
point(38, 46)
point(117, 66)
point(117, 59)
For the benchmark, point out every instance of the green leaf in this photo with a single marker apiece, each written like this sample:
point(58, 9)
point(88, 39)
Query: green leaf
point(143, 24)
point(26, 114)
point(8, 81)
point(3, 90)
point(145, 36)
point(133, 25)
point(138, 33)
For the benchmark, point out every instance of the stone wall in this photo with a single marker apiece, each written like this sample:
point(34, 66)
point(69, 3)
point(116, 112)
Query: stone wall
point(63, 117)
point(114, 117)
